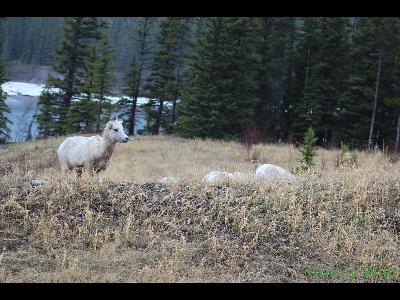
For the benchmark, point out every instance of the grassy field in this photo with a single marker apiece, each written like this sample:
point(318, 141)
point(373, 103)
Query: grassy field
point(338, 224)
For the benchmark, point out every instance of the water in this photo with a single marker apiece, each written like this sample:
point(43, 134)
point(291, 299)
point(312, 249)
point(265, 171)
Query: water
point(23, 102)
point(23, 109)
point(22, 113)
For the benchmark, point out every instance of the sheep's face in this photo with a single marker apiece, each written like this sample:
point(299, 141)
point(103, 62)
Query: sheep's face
point(116, 132)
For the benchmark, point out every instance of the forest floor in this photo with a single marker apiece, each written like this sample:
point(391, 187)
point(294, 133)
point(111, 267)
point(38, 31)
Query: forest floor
point(337, 224)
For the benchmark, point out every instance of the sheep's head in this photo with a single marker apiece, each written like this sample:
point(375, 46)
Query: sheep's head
point(115, 131)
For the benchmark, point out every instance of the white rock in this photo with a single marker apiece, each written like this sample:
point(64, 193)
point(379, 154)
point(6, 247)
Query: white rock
point(237, 176)
point(168, 180)
point(37, 182)
point(271, 172)
point(218, 176)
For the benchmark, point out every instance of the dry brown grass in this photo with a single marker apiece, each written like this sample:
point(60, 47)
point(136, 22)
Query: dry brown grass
point(121, 227)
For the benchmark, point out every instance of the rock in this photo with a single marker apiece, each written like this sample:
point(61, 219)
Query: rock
point(168, 180)
point(217, 176)
point(271, 172)
point(37, 182)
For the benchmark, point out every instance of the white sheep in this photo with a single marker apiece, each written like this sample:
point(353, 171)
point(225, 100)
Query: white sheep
point(271, 172)
point(218, 176)
point(91, 153)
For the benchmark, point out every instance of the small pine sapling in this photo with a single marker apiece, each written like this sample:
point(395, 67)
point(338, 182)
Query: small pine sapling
point(308, 150)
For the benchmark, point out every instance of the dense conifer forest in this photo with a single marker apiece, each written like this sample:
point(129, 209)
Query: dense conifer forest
point(271, 78)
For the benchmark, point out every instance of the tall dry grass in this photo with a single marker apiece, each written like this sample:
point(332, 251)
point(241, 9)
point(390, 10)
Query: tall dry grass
point(122, 226)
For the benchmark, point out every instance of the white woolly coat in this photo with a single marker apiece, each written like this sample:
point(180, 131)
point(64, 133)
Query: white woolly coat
point(88, 152)
point(91, 153)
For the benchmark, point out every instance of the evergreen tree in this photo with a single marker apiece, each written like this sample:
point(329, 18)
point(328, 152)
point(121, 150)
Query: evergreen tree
point(78, 32)
point(103, 81)
point(183, 43)
point(276, 75)
point(325, 47)
point(134, 76)
point(220, 96)
point(4, 129)
point(47, 124)
point(95, 85)
point(392, 98)
point(160, 84)
point(308, 150)
point(282, 75)
point(369, 81)
point(3, 78)
point(84, 111)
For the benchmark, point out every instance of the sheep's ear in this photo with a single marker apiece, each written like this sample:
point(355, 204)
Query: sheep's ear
point(110, 127)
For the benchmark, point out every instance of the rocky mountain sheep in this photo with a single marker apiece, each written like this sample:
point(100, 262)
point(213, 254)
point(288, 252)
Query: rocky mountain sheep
point(91, 153)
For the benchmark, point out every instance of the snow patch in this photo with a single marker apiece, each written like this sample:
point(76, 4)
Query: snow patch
point(13, 88)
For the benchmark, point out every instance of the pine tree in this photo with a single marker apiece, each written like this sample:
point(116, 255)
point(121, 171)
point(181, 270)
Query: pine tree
point(85, 110)
point(183, 43)
point(95, 85)
point(78, 32)
point(220, 96)
point(47, 124)
point(4, 129)
point(308, 150)
point(133, 82)
point(103, 81)
point(264, 92)
point(160, 84)
point(325, 48)
point(361, 108)
point(275, 75)
point(392, 98)
point(134, 75)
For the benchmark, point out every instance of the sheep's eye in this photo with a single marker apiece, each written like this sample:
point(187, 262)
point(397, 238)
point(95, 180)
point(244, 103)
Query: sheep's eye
point(115, 129)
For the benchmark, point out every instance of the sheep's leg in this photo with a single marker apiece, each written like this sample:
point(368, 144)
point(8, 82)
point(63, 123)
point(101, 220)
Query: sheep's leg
point(88, 168)
point(78, 170)
point(63, 169)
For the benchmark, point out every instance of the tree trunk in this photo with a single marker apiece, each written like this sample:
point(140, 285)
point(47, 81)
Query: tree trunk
point(134, 100)
point(132, 117)
point(396, 149)
point(378, 77)
point(174, 110)
point(307, 67)
point(177, 81)
point(289, 88)
point(158, 120)
point(29, 131)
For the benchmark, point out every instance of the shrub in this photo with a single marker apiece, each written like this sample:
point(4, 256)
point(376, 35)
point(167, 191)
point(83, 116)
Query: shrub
point(249, 138)
point(308, 150)
point(347, 158)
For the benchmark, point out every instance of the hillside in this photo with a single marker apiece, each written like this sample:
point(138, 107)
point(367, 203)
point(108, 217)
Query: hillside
point(33, 40)
point(338, 224)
